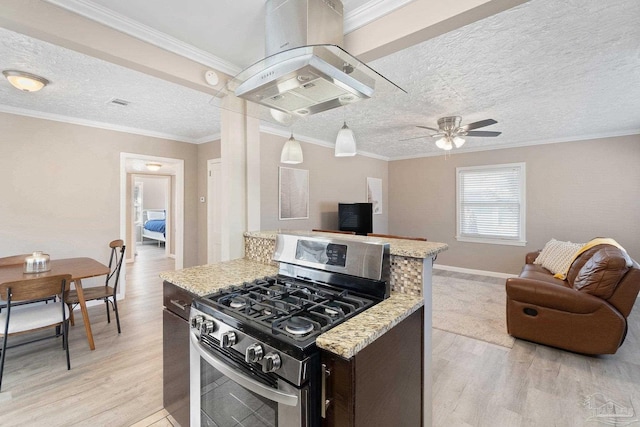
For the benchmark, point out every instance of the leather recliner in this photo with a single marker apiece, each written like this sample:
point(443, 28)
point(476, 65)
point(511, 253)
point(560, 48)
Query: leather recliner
point(559, 313)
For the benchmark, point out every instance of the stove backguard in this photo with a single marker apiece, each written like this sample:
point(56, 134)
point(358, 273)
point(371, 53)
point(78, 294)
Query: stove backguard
point(301, 255)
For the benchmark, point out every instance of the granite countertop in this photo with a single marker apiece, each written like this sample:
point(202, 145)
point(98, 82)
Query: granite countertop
point(399, 247)
point(345, 340)
point(348, 338)
point(206, 279)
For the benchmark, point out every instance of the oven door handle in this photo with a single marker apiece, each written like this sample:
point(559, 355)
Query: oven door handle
point(248, 383)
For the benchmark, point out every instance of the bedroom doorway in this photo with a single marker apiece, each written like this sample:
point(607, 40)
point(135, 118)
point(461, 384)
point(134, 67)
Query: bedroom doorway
point(170, 172)
point(152, 215)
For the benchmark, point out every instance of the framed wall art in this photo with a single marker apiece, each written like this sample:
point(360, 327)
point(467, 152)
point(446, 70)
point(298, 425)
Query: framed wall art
point(294, 193)
point(374, 194)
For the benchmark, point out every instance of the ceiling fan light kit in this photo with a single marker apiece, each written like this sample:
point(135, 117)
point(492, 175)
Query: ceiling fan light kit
point(451, 133)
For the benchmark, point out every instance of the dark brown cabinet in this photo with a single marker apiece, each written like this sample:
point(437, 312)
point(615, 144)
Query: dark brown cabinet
point(382, 384)
point(175, 352)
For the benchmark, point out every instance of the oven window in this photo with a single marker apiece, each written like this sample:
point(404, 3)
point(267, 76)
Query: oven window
point(224, 403)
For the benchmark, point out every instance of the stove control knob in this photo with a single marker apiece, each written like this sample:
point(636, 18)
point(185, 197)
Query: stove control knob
point(271, 362)
point(254, 353)
point(228, 339)
point(207, 327)
point(196, 321)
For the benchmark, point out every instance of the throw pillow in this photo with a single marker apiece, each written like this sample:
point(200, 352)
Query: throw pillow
point(601, 274)
point(556, 256)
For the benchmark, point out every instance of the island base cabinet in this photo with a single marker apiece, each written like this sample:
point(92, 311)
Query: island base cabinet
point(382, 384)
point(175, 352)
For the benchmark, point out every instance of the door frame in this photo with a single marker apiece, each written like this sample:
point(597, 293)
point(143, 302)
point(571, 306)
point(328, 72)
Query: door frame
point(177, 194)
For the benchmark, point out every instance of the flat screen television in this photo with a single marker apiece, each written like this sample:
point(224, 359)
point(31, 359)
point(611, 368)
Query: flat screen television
point(356, 217)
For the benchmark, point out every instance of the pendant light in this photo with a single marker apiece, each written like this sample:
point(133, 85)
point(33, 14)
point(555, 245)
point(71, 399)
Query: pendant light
point(25, 81)
point(345, 142)
point(291, 152)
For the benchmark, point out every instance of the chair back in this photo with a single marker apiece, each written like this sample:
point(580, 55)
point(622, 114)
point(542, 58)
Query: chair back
point(36, 288)
point(115, 263)
point(13, 260)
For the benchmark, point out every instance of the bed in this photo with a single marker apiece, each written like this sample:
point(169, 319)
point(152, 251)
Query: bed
point(154, 225)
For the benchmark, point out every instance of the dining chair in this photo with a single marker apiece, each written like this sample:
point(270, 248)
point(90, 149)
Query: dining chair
point(11, 261)
point(106, 293)
point(21, 319)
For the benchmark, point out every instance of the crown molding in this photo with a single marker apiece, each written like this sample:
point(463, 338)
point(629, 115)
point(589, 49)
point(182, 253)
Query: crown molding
point(208, 138)
point(369, 12)
point(586, 137)
point(135, 29)
point(93, 124)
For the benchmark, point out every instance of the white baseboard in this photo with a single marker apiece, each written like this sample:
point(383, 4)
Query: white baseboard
point(472, 271)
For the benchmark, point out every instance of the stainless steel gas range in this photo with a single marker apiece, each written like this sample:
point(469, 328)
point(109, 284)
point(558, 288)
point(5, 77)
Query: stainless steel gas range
point(253, 357)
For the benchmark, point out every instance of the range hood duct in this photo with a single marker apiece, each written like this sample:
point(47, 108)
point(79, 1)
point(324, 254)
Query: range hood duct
point(306, 71)
point(296, 23)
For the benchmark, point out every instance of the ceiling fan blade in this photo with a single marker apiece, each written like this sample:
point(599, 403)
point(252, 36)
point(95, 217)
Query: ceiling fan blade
point(482, 133)
point(427, 127)
point(480, 124)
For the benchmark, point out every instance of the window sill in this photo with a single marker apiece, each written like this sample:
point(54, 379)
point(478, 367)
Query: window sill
point(492, 241)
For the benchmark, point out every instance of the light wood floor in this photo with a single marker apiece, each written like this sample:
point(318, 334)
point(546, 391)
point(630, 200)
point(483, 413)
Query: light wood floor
point(475, 383)
point(118, 384)
point(482, 384)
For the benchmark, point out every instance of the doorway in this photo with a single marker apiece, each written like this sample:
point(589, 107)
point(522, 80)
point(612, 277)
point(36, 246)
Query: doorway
point(135, 164)
point(152, 216)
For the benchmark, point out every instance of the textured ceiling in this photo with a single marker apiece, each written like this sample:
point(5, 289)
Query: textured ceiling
point(82, 86)
point(546, 71)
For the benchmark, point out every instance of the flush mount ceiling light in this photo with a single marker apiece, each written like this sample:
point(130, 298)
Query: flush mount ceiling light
point(153, 167)
point(291, 152)
point(25, 81)
point(345, 142)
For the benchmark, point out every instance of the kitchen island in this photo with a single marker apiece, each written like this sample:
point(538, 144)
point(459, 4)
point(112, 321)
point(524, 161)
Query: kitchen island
point(344, 340)
point(375, 328)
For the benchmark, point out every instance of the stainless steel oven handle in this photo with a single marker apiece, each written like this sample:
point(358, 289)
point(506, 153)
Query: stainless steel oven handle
point(324, 402)
point(249, 383)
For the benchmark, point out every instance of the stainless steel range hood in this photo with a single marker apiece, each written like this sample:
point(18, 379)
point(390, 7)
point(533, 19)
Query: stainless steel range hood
point(306, 71)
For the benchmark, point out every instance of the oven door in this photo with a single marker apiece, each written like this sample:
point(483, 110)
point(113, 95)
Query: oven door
point(222, 395)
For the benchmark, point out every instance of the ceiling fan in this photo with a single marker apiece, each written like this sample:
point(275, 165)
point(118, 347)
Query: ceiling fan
point(450, 132)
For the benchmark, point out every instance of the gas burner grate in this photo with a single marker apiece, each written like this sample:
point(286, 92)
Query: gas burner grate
point(271, 302)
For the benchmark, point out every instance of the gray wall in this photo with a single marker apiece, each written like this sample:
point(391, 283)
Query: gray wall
point(207, 151)
point(154, 192)
point(60, 186)
point(575, 191)
point(331, 180)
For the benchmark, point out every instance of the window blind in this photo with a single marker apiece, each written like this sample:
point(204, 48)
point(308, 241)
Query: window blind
point(491, 202)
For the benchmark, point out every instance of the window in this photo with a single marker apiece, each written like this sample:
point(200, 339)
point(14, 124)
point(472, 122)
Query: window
point(491, 204)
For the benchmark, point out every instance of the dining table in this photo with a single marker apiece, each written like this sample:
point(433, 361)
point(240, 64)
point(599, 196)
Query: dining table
point(78, 268)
